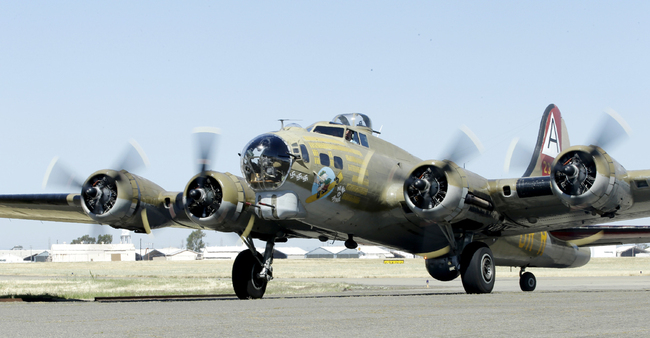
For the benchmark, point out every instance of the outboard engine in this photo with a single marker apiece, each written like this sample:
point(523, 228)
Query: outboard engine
point(116, 197)
point(587, 177)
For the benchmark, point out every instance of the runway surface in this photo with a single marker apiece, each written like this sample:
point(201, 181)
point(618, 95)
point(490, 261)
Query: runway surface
point(562, 306)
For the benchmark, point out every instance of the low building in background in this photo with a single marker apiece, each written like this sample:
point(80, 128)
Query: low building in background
point(403, 254)
point(28, 255)
point(43, 257)
point(603, 251)
point(374, 252)
point(170, 254)
point(92, 252)
point(611, 251)
point(322, 252)
point(231, 252)
point(333, 252)
point(630, 250)
point(288, 252)
point(221, 252)
point(7, 258)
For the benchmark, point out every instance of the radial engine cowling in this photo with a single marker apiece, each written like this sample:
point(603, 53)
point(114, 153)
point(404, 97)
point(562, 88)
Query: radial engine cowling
point(112, 197)
point(587, 177)
point(213, 198)
point(440, 191)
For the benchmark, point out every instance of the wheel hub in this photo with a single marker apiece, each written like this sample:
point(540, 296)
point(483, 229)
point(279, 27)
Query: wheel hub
point(487, 268)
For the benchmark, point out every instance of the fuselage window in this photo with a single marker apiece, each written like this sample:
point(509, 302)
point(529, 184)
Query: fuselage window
point(364, 140)
point(305, 154)
point(332, 131)
point(338, 162)
point(325, 160)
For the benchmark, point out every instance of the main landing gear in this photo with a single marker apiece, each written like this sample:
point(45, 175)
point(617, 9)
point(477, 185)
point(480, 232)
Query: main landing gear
point(527, 281)
point(477, 269)
point(251, 271)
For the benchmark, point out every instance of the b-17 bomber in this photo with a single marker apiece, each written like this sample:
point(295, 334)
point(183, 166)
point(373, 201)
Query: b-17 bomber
point(336, 180)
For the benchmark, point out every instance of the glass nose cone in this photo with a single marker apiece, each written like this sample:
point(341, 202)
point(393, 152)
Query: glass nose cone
point(265, 162)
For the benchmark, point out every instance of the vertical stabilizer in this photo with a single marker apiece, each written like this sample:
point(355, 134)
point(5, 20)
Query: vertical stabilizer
point(551, 139)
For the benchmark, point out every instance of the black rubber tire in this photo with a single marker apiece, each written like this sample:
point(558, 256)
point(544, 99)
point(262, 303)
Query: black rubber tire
point(479, 273)
point(527, 282)
point(244, 280)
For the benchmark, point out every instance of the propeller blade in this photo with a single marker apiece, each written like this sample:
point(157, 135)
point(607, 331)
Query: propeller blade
point(427, 201)
point(133, 158)
point(612, 130)
point(98, 209)
point(465, 146)
point(518, 156)
point(145, 221)
point(205, 139)
point(59, 175)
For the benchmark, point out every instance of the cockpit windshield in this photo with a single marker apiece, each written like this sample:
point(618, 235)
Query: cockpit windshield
point(353, 119)
point(329, 130)
point(265, 162)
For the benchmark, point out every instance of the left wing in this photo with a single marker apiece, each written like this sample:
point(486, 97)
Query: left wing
point(44, 207)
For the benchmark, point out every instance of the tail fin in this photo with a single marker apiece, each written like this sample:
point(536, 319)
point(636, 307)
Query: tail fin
point(552, 138)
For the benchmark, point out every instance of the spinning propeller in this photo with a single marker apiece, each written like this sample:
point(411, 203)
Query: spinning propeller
point(427, 185)
point(99, 193)
point(611, 130)
point(575, 172)
point(59, 175)
point(204, 194)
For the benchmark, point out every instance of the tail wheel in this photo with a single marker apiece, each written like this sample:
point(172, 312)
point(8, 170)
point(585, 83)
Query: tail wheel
point(478, 274)
point(527, 282)
point(245, 272)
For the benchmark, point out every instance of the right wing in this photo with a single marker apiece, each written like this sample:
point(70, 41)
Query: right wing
point(605, 235)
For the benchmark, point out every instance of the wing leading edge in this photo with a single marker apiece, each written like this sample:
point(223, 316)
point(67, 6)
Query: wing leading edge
point(44, 207)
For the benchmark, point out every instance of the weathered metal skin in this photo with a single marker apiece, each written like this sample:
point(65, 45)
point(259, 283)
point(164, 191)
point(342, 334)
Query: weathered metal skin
point(132, 195)
point(463, 199)
point(538, 249)
point(129, 195)
point(235, 194)
point(369, 187)
point(610, 191)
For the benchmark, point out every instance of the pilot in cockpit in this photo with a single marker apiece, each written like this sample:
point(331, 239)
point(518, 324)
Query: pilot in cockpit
point(351, 136)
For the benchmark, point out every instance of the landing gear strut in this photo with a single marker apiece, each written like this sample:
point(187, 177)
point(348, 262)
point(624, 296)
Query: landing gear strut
point(527, 281)
point(477, 269)
point(251, 271)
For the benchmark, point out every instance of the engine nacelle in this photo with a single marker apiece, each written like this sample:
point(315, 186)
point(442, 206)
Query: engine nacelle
point(114, 197)
point(440, 191)
point(213, 198)
point(587, 177)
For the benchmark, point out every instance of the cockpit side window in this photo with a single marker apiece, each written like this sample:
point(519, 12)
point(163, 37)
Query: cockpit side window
point(352, 136)
point(327, 130)
point(305, 153)
point(364, 140)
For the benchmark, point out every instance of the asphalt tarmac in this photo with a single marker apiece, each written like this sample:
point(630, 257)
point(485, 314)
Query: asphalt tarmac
point(562, 306)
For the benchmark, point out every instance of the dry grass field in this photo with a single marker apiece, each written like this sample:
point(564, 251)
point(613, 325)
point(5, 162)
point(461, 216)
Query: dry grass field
point(84, 280)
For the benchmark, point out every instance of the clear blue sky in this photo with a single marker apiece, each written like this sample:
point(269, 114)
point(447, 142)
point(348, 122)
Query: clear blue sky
point(79, 79)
